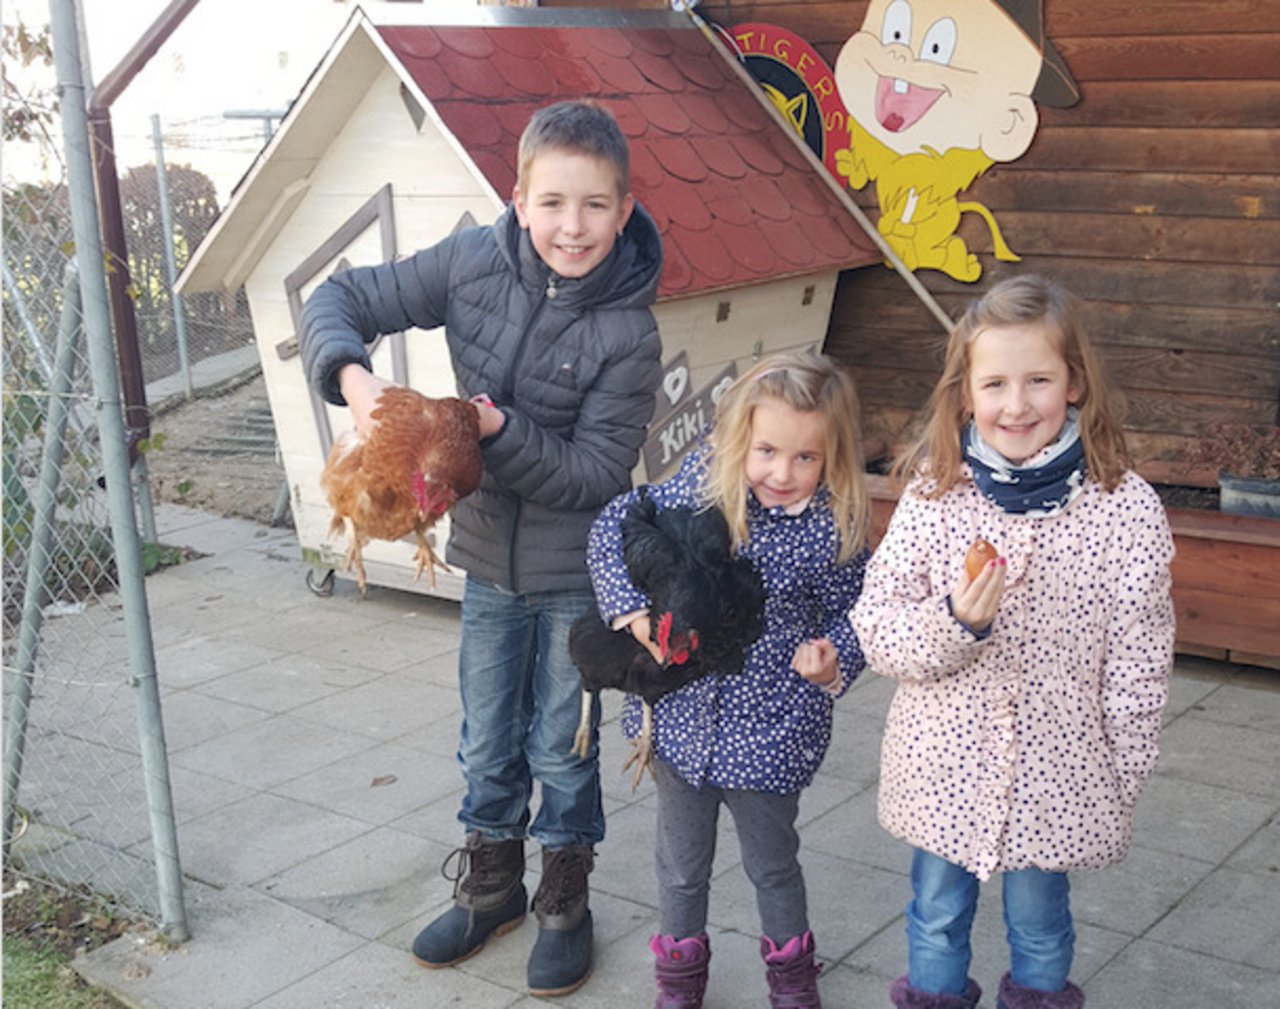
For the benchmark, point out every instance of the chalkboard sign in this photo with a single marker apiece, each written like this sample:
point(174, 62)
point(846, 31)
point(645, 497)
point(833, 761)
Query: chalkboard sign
point(673, 435)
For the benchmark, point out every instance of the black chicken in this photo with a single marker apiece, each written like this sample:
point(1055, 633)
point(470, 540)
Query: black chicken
point(706, 608)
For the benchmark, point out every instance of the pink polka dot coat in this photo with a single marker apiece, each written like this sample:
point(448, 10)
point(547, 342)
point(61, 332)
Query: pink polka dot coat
point(1028, 747)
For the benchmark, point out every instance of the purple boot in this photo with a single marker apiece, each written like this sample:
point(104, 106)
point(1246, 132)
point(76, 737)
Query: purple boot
point(681, 970)
point(902, 995)
point(791, 972)
point(1014, 996)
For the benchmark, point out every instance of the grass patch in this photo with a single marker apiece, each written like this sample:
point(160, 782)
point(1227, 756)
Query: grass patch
point(44, 927)
point(40, 977)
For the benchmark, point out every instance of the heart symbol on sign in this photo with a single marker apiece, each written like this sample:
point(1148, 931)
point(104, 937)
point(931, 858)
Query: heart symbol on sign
point(721, 388)
point(674, 384)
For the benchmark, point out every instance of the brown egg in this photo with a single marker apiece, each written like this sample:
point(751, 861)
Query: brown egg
point(976, 559)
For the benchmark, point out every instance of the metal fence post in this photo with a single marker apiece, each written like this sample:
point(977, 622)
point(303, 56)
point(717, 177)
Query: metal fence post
point(170, 261)
point(43, 507)
point(106, 382)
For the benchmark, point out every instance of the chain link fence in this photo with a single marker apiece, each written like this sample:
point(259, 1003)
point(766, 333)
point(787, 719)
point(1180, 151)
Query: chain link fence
point(76, 812)
point(76, 809)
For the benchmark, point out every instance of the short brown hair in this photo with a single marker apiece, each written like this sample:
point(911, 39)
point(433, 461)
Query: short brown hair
point(1025, 298)
point(580, 127)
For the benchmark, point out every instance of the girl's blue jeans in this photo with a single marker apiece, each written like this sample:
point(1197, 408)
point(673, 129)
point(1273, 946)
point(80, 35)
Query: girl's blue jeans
point(1037, 917)
point(521, 701)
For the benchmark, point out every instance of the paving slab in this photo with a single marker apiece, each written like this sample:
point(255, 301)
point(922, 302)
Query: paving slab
point(314, 774)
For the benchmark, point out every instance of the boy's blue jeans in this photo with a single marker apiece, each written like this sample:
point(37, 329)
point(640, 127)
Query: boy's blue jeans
point(1037, 917)
point(521, 700)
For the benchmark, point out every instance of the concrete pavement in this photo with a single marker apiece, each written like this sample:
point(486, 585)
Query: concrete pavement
point(312, 744)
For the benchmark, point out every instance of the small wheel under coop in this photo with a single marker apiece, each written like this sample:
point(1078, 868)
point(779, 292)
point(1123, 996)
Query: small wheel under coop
point(323, 587)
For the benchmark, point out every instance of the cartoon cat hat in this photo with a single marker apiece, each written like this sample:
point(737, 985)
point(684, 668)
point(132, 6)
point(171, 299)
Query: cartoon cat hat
point(1055, 86)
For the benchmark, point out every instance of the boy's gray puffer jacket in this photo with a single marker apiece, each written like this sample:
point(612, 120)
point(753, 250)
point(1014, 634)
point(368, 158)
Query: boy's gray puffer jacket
point(574, 365)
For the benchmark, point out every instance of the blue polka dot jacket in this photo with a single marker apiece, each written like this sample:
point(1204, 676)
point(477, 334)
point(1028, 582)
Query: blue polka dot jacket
point(766, 729)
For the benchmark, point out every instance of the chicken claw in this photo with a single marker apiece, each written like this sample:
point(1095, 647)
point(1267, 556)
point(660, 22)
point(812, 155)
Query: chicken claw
point(641, 748)
point(425, 557)
point(582, 738)
point(354, 559)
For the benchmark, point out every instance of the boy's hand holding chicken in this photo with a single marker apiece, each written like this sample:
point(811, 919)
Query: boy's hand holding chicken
point(361, 389)
point(409, 459)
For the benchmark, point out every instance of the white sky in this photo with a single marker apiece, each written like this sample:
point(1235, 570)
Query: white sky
point(227, 55)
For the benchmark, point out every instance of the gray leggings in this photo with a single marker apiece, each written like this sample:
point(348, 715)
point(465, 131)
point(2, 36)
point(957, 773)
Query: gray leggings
point(686, 847)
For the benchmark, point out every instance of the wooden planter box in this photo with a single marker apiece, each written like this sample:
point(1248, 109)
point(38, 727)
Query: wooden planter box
point(1226, 585)
point(1226, 579)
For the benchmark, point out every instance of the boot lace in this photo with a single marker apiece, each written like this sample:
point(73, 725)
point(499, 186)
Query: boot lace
point(473, 869)
point(564, 879)
point(456, 868)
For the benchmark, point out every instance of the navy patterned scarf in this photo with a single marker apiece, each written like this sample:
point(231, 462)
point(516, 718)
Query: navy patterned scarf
point(1044, 485)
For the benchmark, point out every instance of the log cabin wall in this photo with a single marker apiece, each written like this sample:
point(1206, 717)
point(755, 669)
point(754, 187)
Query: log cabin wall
point(1156, 199)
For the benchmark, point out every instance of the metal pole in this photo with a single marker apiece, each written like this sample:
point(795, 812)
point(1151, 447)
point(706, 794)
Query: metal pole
point(267, 116)
point(166, 224)
point(37, 341)
point(141, 477)
point(44, 508)
point(106, 384)
point(33, 334)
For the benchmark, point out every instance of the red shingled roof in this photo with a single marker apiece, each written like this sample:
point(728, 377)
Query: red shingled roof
point(735, 201)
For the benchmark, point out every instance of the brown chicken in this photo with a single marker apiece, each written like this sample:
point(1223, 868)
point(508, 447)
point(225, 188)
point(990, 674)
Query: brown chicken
point(423, 455)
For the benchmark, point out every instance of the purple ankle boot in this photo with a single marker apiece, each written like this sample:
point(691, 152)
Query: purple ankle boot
point(902, 995)
point(681, 970)
point(791, 972)
point(1014, 996)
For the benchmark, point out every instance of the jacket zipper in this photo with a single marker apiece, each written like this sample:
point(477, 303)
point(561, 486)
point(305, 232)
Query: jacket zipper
point(549, 295)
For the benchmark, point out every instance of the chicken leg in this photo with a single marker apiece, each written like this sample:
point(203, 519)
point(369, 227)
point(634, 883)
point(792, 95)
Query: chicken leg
point(425, 557)
point(641, 747)
point(354, 560)
point(582, 738)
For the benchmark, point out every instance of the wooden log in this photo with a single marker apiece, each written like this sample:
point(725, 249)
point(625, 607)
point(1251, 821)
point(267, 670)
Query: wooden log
point(1209, 285)
point(1187, 57)
point(1168, 413)
point(1153, 194)
point(1145, 367)
point(1065, 18)
point(1180, 148)
point(1250, 331)
point(826, 24)
point(1172, 103)
point(1189, 371)
point(1175, 413)
point(1132, 236)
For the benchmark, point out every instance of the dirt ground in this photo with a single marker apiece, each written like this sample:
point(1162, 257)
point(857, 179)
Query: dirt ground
point(206, 458)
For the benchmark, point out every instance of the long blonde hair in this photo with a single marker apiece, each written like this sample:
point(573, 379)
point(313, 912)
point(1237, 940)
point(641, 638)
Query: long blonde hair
point(805, 381)
point(1026, 298)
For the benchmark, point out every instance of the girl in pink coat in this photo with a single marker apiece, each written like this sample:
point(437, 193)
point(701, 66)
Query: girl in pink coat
point(1029, 696)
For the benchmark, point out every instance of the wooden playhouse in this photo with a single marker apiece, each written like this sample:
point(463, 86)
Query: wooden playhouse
point(408, 131)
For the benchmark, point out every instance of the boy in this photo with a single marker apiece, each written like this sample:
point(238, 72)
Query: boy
point(547, 318)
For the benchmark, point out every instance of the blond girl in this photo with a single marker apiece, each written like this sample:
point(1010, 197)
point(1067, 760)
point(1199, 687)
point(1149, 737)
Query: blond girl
point(784, 465)
point(1029, 696)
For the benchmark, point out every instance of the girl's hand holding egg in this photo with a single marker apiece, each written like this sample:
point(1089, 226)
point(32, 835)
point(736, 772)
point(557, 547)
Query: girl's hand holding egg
point(976, 559)
point(975, 599)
